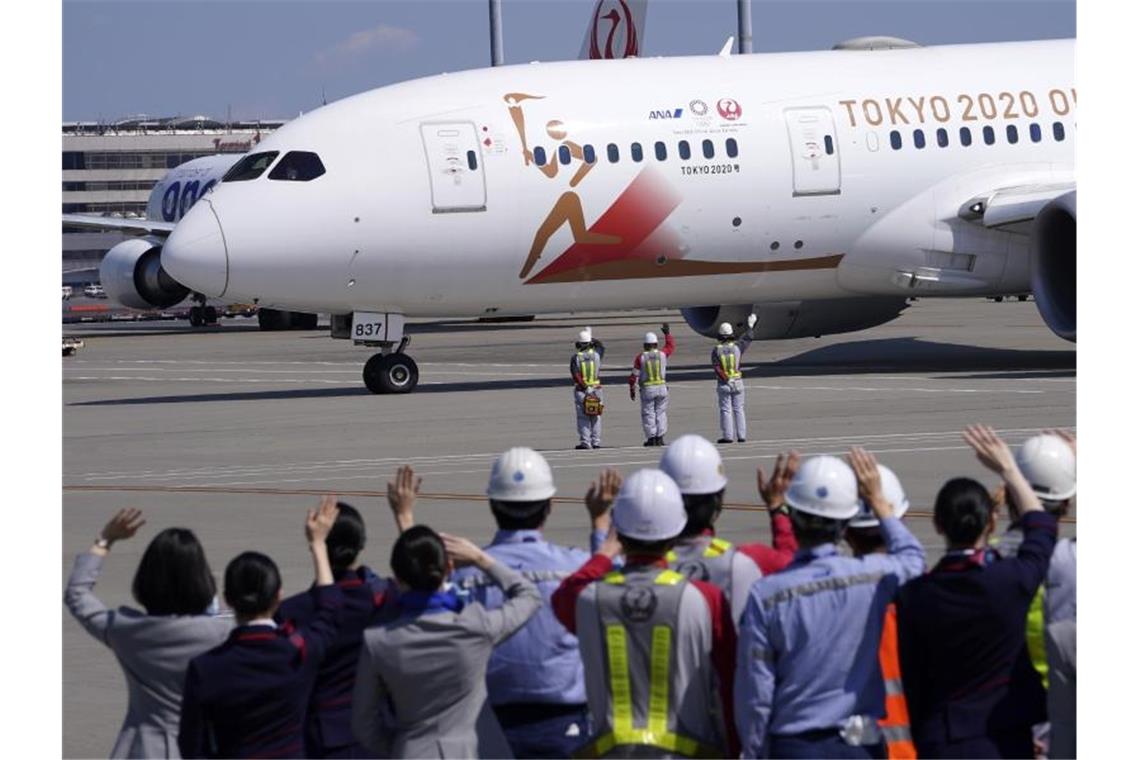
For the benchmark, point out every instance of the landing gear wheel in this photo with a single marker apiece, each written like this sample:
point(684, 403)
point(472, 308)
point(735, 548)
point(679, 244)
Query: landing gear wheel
point(197, 319)
point(210, 315)
point(391, 373)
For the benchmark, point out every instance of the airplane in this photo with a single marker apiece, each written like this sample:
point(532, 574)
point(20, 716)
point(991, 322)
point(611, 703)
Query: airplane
point(616, 30)
point(820, 189)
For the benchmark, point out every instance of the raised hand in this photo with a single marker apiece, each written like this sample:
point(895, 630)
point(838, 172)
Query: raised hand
point(319, 521)
point(870, 483)
point(123, 525)
point(402, 495)
point(665, 328)
point(751, 321)
point(991, 450)
point(463, 552)
point(601, 494)
point(772, 491)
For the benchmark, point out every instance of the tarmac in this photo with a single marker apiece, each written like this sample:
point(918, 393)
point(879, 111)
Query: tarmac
point(234, 433)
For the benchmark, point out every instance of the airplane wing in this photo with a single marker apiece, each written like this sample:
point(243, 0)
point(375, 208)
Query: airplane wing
point(616, 30)
point(1013, 208)
point(114, 224)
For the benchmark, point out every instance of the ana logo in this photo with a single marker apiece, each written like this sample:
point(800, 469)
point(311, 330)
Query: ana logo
point(728, 109)
point(821, 492)
point(518, 477)
point(698, 107)
point(669, 113)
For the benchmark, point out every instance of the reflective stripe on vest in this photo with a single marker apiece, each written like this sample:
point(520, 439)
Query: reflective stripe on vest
point(896, 724)
point(656, 732)
point(652, 371)
point(727, 354)
point(1035, 636)
point(588, 366)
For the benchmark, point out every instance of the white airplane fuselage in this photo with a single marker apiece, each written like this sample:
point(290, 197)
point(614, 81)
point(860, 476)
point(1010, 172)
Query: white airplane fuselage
point(429, 206)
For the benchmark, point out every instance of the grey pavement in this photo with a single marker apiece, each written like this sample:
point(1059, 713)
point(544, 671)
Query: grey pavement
point(231, 432)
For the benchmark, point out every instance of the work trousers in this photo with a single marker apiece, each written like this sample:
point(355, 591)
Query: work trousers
point(589, 428)
point(730, 399)
point(654, 406)
point(540, 730)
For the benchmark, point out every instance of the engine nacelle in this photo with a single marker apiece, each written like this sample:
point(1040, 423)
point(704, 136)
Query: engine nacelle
point(797, 319)
point(1053, 265)
point(132, 275)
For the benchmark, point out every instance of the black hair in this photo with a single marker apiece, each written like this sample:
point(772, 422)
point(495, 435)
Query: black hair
point(173, 577)
point(252, 584)
point(419, 559)
point(813, 530)
point(703, 509)
point(864, 540)
point(962, 511)
point(346, 539)
point(652, 548)
point(520, 515)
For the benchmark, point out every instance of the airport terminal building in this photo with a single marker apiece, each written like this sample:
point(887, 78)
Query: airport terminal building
point(110, 168)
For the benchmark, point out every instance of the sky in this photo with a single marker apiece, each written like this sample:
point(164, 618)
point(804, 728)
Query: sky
point(276, 58)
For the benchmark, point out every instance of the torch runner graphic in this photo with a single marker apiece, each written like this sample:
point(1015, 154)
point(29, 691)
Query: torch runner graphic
point(568, 207)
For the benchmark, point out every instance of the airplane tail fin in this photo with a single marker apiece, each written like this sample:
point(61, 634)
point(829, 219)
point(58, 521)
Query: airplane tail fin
point(616, 29)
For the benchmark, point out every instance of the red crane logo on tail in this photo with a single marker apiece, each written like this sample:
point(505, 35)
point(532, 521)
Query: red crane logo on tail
point(621, 18)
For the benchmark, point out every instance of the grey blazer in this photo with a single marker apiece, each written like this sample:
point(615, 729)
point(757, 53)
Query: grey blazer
point(153, 652)
point(421, 685)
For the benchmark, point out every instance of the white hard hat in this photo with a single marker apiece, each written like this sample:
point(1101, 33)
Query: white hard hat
point(585, 336)
point(892, 492)
point(825, 486)
point(1050, 466)
point(649, 507)
point(695, 465)
point(725, 329)
point(520, 474)
point(651, 338)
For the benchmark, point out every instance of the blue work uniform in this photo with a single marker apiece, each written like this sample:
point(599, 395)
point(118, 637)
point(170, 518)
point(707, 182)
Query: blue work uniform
point(535, 681)
point(247, 697)
point(367, 597)
point(807, 662)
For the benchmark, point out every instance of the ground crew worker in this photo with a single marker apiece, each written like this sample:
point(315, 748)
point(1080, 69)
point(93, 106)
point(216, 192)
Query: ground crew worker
point(970, 687)
point(534, 679)
point(864, 537)
point(658, 649)
point(730, 381)
point(695, 465)
point(649, 374)
point(808, 682)
point(585, 370)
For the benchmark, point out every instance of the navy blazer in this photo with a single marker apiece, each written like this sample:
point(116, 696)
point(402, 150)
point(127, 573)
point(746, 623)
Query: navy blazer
point(247, 697)
point(965, 666)
point(328, 726)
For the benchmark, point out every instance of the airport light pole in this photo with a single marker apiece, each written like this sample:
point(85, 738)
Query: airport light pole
point(496, 7)
point(744, 26)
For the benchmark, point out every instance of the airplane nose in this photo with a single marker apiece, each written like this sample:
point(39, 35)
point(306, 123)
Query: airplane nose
point(195, 253)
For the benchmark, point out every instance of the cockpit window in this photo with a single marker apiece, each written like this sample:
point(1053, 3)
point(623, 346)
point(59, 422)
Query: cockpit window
point(250, 167)
point(298, 166)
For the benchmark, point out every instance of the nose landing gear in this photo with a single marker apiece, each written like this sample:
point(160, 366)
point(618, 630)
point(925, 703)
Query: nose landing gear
point(391, 373)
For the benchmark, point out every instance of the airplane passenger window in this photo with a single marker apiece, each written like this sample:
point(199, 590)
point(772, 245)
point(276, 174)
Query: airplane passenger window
point(965, 136)
point(659, 149)
point(302, 166)
point(683, 150)
point(564, 154)
point(942, 137)
point(730, 147)
point(612, 153)
point(1035, 132)
point(1011, 133)
point(472, 161)
point(919, 139)
point(1058, 131)
point(635, 152)
point(707, 148)
point(988, 135)
point(896, 139)
point(828, 145)
point(250, 167)
point(588, 154)
point(540, 156)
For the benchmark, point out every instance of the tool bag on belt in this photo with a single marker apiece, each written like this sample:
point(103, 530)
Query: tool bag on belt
point(592, 406)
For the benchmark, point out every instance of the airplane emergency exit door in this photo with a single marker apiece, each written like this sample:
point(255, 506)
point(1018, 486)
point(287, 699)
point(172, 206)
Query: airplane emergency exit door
point(455, 167)
point(815, 151)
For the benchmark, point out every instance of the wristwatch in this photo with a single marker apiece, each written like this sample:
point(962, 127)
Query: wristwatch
point(102, 543)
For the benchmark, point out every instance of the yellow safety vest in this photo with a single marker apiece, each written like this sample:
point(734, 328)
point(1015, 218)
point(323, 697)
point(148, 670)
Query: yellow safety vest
point(651, 364)
point(728, 361)
point(656, 732)
point(589, 369)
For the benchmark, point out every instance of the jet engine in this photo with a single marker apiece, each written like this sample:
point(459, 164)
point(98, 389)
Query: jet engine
point(1053, 265)
point(797, 319)
point(132, 275)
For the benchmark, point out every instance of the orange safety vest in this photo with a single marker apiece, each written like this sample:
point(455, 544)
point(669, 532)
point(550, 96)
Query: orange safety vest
point(896, 726)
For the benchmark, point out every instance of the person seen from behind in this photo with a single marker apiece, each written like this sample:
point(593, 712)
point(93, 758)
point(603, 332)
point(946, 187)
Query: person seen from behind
point(176, 590)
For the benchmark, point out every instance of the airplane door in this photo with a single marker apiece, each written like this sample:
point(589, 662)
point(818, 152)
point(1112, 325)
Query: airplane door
point(815, 151)
point(455, 167)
